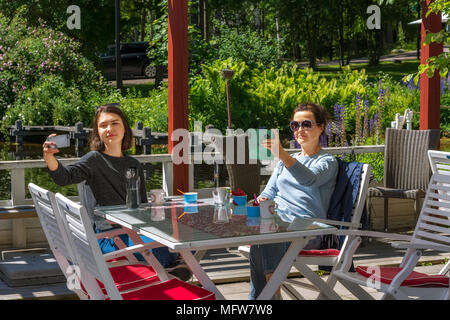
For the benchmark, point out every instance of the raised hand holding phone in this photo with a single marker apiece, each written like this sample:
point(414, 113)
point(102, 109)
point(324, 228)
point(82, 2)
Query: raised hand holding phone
point(49, 149)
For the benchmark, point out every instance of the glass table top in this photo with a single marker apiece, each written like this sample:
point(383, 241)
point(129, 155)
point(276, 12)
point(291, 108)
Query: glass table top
point(177, 222)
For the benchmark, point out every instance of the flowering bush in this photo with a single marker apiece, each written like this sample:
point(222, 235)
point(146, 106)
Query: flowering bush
point(44, 79)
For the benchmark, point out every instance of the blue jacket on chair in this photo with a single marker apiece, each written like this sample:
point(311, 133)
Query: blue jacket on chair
point(345, 193)
point(342, 201)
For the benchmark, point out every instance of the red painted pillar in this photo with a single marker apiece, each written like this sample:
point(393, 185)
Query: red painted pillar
point(178, 83)
point(430, 87)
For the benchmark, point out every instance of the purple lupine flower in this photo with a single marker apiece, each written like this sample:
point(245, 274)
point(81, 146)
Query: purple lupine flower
point(336, 112)
point(323, 141)
point(358, 128)
point(329, 133)
point(366, 119)
point(371, 123)
point(343, 137)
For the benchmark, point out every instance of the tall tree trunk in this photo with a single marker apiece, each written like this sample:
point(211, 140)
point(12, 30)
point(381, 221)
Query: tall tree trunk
point(419, 35)
point(143, 22)
point(341, 34)
point(206, 13)
point(201, 20)
point(277, 25)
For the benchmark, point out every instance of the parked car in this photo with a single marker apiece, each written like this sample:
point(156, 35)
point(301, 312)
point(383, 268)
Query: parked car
point(135, 61)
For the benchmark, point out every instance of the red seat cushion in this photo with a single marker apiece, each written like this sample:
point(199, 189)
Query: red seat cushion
point(415, 279)
point(172, 289)
point(117, 259)
point(320, 253)
point(130, 276)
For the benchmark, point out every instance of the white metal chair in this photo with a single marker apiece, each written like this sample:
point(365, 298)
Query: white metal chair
point(440, 162)
point(44, 202)
point(328, 257)
point(93, 269)
point(125, 277)
point(87, 200)
point(432, 232)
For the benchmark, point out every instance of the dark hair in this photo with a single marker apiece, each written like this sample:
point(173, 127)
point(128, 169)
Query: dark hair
point(320, 113)
point(95, 142)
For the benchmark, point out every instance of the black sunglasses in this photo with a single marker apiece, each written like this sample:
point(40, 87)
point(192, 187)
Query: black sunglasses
point(305, 124)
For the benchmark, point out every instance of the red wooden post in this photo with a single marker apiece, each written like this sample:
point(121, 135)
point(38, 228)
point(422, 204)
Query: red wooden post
point(430, 87)
point(178, 83)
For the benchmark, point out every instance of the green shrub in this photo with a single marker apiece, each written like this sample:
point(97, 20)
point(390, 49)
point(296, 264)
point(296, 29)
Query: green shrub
point(244, 44)
point(44, 79)
point(151, 110)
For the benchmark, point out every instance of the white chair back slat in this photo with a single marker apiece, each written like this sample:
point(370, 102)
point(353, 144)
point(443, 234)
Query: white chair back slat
point(428, 218)
point(441, 204)
point(433, 222)
point(361, 199)
point(433, 237)
point(441, 187)
point(87, 251)
point(435, 228)
point(439, 161)
point(443, 168)
point(443, 197)
point(52, 225)
point(54, 230)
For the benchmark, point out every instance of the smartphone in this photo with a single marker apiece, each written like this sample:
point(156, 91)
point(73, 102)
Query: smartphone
point(62, 141)
point(256, 136)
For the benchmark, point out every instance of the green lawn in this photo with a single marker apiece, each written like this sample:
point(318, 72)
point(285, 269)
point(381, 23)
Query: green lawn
point(396, 70)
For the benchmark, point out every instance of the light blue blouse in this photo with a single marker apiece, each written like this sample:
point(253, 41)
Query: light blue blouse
point(305, 189)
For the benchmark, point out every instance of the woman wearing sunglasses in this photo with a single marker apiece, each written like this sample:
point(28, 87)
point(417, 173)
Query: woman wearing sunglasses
point(103, 170)
point(301, 185)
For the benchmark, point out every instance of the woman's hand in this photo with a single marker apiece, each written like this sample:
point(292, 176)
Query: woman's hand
point(48, 153)
point(273, 144)
point(277, 149)
point(262, 198)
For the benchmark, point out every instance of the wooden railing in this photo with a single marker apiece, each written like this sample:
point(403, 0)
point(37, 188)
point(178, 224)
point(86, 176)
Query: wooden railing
point(18, 187)
point(18, 167)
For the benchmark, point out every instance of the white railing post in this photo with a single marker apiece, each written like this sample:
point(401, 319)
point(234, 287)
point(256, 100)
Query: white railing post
point(19, 231)
point(191, 176)
point(167, 177)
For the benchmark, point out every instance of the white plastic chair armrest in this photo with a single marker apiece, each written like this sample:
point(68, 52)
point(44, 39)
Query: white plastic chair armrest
point(423, 246)
point(338, 223)
point(374, 234)
point(130, 250)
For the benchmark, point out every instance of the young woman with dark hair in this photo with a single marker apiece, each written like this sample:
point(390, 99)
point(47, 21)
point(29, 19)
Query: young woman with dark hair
point(103, 169)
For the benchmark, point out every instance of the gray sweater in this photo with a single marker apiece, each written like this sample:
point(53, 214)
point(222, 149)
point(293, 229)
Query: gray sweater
point(104, 174)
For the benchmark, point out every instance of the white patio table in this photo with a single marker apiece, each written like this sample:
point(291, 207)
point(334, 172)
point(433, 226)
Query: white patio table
point(187, 227)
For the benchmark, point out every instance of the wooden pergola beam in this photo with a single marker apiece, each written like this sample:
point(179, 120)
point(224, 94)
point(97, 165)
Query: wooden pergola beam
point(430, 87)
point(178, 84)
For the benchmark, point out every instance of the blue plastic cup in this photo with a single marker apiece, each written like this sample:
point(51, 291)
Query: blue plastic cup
point(190, 197)
point(253, 221)
point(253, 211)
point(191, 209)
point(240, 210)
point(240, 200)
